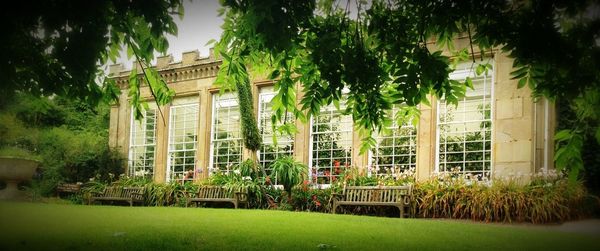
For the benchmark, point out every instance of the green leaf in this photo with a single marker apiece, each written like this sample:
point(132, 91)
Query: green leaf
point(226, 57)
point(598, 135)
point(274, 74)
point(129, 52)
point(336, 103)
point(479, 69)
point(562, 135)
point(469, 83)
point(366, 144)
point(520, 73)
point(211, 41)
point(522, 82)
point(573, 174)
point(181, 11)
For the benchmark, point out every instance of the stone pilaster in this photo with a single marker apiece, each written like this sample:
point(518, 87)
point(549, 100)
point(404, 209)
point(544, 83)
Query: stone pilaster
point(426, 140)
point(513, 123)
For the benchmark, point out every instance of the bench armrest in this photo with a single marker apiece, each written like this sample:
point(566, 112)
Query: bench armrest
point(97, 193)
point(241, 196)
point(336, 197)
point(190, 194)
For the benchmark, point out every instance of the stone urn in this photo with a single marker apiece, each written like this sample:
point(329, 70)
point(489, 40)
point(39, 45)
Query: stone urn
point(14, 170)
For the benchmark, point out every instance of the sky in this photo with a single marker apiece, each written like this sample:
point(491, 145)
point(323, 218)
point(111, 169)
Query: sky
point(200, 24)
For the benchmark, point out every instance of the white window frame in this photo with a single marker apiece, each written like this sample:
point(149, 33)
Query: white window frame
point(460, 74)
point(170, 151)
point(265, 95)
point(330, 109)
point(132, 146)
point(413, 141)
point(229, 97)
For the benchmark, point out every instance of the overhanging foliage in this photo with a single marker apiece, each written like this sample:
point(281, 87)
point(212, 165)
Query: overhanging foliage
point(378, 52)
point(57, 47)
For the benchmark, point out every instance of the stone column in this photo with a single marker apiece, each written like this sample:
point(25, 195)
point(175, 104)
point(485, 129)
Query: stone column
point(426, 140)
point(162, 144)
point(124, 120)
point(113, 130)
point(512, 123)
point(204, 126)
point(358, 160)
point(302, 138)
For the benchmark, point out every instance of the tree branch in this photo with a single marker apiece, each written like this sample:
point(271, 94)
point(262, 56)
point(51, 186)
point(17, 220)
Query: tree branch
point(470, 39)
point(137, 57)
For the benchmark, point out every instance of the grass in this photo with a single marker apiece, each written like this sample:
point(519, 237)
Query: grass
point(37, 226)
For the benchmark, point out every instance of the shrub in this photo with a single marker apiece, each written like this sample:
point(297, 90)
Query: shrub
point(358, 177)
point(244, 176)
point(542, 200)
point(168, 194)
point(156, 194)
point(288, 173)
point(70, 138)
point(306, 198)
point(69, 156)
point(248, 168)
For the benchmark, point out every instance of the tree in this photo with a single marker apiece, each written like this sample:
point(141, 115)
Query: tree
point(379, 52)
point(68, 137)
point(56, 47)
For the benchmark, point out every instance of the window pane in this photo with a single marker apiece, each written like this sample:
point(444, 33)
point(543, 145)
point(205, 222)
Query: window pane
point(331, 134)
point(396, 148)
point(464, 131)
point(226, 141)
point(142, 143)
point(270, 151)
point(183, 139)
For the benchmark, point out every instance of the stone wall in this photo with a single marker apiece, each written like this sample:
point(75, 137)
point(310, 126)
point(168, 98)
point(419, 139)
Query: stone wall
point(521, 137)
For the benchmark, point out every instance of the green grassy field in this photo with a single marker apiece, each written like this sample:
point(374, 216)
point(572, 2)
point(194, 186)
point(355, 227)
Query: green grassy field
point(36, 226)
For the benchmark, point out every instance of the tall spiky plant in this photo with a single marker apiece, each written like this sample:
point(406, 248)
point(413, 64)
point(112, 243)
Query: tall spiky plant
point(289, 173)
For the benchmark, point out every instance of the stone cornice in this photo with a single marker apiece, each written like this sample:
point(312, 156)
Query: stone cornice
point(191, 67)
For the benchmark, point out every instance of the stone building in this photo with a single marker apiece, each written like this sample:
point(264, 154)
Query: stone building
point(496, 130)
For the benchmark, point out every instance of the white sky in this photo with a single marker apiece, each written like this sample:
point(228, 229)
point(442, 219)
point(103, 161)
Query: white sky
point(200, 24)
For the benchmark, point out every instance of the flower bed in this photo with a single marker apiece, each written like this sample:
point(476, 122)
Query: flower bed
point(545, 198)
point(542, 200)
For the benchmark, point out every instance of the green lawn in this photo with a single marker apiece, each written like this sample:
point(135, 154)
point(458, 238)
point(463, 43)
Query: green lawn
point(33, 226)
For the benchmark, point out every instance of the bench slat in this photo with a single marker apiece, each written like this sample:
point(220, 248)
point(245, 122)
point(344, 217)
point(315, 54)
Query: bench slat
point(116, 193)
point(399, 196)
point(217, 194)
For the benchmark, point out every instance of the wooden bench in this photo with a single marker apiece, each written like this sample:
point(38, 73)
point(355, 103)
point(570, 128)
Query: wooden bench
point(130, 195)
point(68, 188)
point(218, 194)
point(397, 196)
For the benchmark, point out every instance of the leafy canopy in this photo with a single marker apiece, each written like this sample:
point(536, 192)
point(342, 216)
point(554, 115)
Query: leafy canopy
point(377, 52)
point(56, 47)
